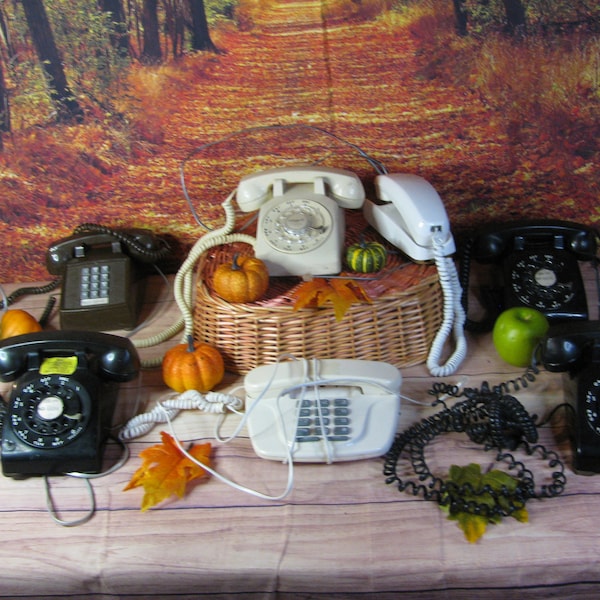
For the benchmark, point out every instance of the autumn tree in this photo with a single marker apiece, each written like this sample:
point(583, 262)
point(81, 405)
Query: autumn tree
point(151, 51)
point(460, 16)
point(515, 16)
point(518, 17)
point(4, 104)
point(200, 33)
point(119, 35)
point(67, 107)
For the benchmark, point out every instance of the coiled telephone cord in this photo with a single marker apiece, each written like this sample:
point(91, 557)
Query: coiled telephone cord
point(183, 287)
point(453, 316)
point(168, 409)
point(489, 417)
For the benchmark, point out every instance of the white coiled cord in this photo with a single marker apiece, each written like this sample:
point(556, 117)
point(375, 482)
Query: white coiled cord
point(183, 287)
point(166, 410)
point(453, 318)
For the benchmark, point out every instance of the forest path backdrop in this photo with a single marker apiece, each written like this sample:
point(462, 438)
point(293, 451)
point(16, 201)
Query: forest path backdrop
point(363, 82)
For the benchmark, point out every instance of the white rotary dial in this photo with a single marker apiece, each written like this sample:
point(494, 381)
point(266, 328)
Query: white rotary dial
point(297, 225)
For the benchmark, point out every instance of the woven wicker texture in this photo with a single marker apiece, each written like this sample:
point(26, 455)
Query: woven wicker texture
point(398, 325)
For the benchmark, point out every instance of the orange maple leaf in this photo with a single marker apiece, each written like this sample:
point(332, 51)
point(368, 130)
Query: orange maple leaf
point(342, 293)
point(166, 470)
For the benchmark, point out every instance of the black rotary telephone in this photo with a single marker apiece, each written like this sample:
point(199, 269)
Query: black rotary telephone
point(538, 268)
point(574, 348)
point(62, 400)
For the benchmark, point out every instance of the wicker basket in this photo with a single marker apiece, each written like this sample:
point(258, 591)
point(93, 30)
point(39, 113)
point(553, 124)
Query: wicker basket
point(398, 326)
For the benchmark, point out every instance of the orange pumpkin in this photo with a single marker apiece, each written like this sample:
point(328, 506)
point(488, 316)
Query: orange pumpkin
point(245, 279)
point(17, 322)
point(193, 366)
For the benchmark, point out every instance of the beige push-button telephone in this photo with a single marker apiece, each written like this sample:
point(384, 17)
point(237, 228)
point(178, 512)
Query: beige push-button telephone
point(322, 410)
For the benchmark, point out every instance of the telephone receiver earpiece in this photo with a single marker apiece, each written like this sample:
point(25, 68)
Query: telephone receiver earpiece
point(566, 344)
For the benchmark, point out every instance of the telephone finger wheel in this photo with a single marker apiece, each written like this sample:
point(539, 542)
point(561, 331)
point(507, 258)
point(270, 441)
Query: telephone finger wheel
point(50, 412)
point(544, 281)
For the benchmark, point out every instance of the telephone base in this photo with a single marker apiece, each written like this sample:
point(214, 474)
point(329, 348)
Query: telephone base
point(84, 306)
point(328, 410)
point(22, 453)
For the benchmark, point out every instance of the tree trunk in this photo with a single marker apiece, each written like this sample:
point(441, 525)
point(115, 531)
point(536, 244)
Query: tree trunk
point(515, 17)
point(460, 17)
point(151, 52)
point(119, 37)
point(200, 34)
point(67, 108)
point(4, 107)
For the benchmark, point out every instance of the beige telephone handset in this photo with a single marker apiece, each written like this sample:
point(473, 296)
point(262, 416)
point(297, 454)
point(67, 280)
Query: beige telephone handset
point(301, 222)
point(325, 410)
point(411, 213)
point(413, 218)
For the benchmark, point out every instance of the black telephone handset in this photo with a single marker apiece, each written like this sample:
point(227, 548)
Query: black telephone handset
point(62, 400)
point(102, 277)
point(574, 348)
point(539, 265)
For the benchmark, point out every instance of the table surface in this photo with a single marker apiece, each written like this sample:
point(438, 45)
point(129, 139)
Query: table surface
point(342, 532)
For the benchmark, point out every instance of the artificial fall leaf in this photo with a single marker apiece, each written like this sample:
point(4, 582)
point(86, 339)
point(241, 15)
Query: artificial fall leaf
point(166, 470)
point(474, 526)
point(342, 293)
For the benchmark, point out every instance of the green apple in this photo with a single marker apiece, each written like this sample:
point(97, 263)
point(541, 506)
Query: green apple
point(517, 332)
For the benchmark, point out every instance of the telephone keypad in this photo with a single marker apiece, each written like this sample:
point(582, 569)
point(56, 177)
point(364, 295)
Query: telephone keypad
point(325, 417)
point(95, 285)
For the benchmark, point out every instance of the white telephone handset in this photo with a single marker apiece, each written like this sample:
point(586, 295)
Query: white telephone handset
point(413, 212)
point(415, 221)
point(301, 222)
point(322, 410)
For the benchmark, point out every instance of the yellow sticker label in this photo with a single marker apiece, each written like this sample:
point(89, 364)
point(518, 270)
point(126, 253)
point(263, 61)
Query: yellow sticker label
point(59, 365)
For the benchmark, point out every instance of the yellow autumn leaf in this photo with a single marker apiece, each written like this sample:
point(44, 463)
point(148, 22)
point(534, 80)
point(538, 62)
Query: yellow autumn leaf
point(166, 471)
point(341, 293)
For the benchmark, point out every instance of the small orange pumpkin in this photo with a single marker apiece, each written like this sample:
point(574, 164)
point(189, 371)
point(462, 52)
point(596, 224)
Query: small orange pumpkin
point(193, 366)
point(17, 322)
point(245, 279)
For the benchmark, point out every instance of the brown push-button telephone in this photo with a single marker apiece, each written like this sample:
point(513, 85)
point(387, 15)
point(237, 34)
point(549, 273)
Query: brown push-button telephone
point(102, 279)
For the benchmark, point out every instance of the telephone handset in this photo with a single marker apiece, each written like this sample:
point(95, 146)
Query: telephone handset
point(409, 213)
point(413, 218)
point(539, 266)
point(300, 227)
point(574, 348)
point(62, 400)
point(322, 410)
point(102, 278)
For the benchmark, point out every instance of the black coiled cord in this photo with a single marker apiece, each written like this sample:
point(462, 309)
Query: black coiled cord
point(493, 418)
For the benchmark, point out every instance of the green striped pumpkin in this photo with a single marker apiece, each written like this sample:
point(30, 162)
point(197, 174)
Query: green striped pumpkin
point(366, 257)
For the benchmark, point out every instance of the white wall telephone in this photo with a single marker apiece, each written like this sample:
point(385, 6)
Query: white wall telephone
point(414, 219)
point(322, 410)
point(301, 222)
